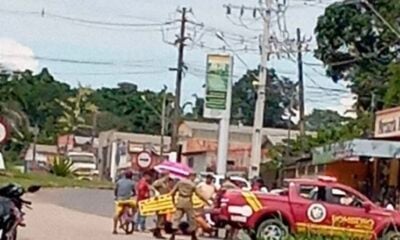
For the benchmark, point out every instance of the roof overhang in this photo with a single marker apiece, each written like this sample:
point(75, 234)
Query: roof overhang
point(354, 149)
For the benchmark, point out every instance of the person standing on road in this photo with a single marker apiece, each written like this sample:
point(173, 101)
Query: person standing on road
point(185, 189)
point(207, 190)
point(143, 193)
point(124, 193)
point(228, 184)
point(160, 187)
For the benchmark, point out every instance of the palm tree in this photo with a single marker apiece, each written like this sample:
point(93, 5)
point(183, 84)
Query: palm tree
point(17, 120)
point(74, 110)
point(20, 127)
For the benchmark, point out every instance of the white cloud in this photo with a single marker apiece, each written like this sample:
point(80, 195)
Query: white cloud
point(15, 56)
point(345, 107)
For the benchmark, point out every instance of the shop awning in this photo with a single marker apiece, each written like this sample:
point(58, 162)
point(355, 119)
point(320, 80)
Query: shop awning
point(353, 149)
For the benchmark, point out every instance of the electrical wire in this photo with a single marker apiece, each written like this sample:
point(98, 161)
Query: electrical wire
point(138, 63)
point(109, 73)
point(103, 23)
point(45, 13)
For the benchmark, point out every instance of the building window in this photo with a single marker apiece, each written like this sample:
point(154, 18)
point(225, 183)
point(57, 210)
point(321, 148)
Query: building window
point(302, 170)
point(191, 162)
point(320, 169)
point(231, 163)
point(311, 170)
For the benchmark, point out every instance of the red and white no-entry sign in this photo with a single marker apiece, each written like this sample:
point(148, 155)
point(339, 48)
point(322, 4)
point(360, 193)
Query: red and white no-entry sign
point(3, 131)
point(144, 160)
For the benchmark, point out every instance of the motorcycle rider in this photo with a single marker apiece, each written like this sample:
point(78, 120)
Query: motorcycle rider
point(124, 195)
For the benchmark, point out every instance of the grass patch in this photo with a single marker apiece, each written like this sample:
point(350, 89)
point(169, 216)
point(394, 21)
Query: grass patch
point(50, 181)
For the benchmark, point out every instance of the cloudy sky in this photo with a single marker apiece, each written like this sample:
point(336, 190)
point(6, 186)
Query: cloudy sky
point(126, 42)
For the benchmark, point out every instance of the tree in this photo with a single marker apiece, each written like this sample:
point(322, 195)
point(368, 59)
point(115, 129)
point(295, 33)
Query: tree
point(392, 96)
point(19, 124)
point(74, 110)
point(35, 96)
point(280, 92)
point(358, 47)
point(139, 111)
point(324, 119)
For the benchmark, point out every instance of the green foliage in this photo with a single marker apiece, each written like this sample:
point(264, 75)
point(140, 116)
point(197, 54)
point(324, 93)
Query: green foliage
point(19, 124)
point(51, 181)
point(354, 128)
point(34, 96)
point(392, 96)
point(356, 46)
point(131, 109)
point(62, 167)
point(74, 109)
point(324, 119)
point(279, 91)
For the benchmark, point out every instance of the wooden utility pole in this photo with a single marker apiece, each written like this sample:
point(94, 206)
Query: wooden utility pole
point(164, 103)
point(179, 73)
point(301, 87)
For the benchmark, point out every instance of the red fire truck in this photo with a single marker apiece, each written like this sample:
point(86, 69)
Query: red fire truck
point(319, 206)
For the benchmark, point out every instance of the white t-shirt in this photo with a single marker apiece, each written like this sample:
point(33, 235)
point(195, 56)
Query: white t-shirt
point(389, 206)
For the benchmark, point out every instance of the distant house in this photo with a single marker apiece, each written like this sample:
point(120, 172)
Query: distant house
point(200, 142)
point(119, 150)
point(44, 154)
point(71, 142)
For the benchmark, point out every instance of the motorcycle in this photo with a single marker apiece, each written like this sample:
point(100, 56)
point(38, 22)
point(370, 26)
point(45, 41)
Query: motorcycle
point(11, 204)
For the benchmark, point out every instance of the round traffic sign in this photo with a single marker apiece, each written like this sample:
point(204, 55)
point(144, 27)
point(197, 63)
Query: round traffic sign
point(3, 131)
point(144, 160)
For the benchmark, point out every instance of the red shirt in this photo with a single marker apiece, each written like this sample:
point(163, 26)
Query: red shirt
point(143, 190)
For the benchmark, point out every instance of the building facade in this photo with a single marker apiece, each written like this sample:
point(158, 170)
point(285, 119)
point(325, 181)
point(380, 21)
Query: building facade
point(119, 150)
point(199, 142)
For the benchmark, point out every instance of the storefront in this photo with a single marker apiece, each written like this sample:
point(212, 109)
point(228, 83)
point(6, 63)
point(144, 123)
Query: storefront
point(387, 127)
point(359, 163)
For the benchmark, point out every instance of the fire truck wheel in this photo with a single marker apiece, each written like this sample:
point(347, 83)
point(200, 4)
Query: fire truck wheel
point(391, 235)
point(272, 229)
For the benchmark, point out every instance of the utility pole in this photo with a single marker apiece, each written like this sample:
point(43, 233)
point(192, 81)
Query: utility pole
point(177, 111)
point(301, 88)
point(224, 127)
point(373, 115)
point(254, 170)
point(35, 134)
point(164, 103)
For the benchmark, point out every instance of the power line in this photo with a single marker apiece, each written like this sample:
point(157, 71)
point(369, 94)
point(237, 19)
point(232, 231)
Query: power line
point(109, 73)
point(45, 13)
point(103, 23)
point(80, 61)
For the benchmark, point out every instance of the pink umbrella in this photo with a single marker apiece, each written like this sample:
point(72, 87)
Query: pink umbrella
point(176, 170)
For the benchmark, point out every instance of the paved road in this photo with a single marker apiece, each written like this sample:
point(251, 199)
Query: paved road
point(73, 214)
point(92, 201)
point(51, 222)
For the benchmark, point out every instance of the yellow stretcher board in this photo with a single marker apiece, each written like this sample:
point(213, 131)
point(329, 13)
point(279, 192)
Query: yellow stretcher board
point(163, 205)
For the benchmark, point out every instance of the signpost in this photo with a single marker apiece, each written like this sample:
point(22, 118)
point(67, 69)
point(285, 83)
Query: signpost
point(217, 104)
point(144, 160)
point(218, 86)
